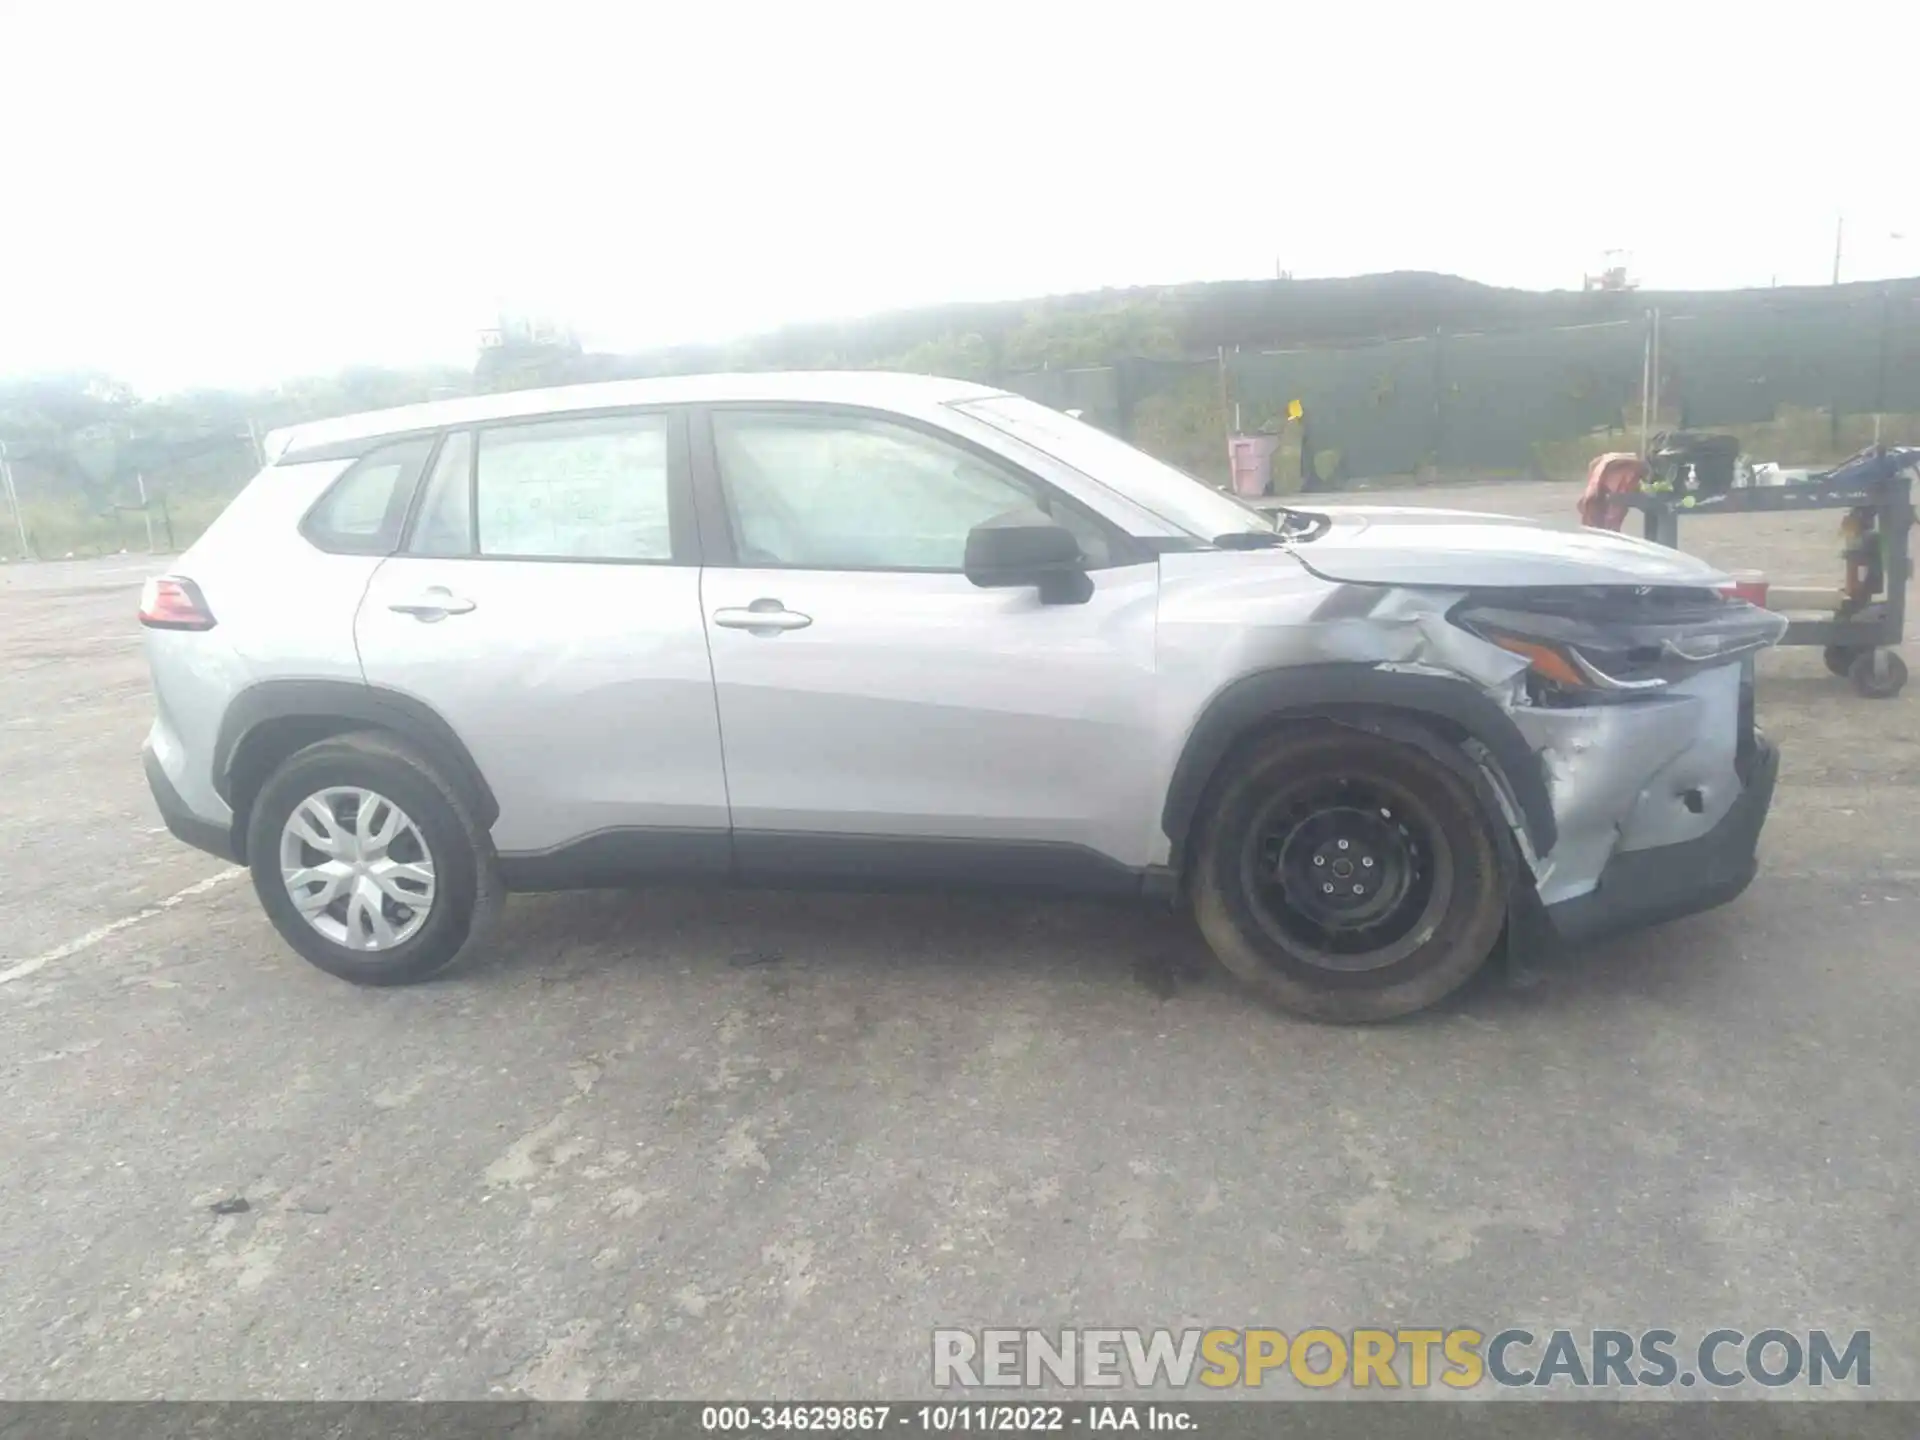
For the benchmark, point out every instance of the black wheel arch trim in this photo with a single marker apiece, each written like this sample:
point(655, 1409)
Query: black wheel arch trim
point(202, 834)
point(1366, 696)
point(350, 700)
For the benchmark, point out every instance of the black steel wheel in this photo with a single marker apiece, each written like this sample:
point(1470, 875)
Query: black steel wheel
point(1342, 871)
point(1349, 876)
point(1839, 658)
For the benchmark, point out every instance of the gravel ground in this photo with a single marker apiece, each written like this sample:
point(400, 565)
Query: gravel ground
point(613, 1159)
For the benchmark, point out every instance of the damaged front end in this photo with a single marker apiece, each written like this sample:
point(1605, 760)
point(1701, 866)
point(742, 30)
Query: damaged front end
point(1599, 689)
point(1638, 703)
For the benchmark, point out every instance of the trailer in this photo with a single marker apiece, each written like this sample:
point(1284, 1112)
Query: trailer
point(1858, 624)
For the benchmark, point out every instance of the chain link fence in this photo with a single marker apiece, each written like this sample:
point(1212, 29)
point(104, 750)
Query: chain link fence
point(1498, 403)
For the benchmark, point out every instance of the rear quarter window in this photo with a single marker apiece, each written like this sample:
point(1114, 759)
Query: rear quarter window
point(363, 512)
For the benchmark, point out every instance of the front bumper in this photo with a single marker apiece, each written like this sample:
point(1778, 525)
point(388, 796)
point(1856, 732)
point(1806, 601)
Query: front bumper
point(1646, 887)
point(201, 833)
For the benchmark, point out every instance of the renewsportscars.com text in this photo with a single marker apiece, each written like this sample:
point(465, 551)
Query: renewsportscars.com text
point(1402, 1357)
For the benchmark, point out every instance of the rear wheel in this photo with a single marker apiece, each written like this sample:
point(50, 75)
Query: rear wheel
point(368, 862)
point(1349, 877)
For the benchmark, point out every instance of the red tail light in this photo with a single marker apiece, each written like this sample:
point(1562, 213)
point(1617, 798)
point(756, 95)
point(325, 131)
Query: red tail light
point(173, 602)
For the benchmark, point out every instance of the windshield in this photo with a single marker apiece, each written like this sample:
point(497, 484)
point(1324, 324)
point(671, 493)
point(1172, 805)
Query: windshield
point(1155, 486)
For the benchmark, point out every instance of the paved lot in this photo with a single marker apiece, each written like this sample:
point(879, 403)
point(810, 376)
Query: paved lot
point(608, 1160)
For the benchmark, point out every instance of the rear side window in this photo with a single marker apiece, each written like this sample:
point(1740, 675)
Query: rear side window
point(586, 489)
point(363, 511)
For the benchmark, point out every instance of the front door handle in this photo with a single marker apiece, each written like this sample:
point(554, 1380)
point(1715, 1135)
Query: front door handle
point(762, 617)
point(436, 602)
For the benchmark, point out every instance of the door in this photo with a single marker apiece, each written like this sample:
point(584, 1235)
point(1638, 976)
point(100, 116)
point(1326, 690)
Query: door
point(546, 604)
point(883, 714)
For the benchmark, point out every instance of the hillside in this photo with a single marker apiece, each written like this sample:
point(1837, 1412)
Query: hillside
point(1195, 320)
point(1521, 370)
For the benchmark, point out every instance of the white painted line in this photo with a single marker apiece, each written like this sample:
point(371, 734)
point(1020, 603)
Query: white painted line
point(95, 936)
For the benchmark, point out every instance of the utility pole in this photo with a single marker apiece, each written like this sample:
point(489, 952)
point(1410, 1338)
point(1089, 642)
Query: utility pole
point(1646, 385)
point(1650, 381)
point(1654, 367)
point(1839, 238)
point(13, 499)
point(146, 513)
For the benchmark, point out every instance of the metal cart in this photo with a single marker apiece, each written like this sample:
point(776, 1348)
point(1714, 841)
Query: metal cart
point(1875, 488)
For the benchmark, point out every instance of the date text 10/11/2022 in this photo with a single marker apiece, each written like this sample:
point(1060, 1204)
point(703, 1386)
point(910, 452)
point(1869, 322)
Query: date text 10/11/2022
point(945, 1419)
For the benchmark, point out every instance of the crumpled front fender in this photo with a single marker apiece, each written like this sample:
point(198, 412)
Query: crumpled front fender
point(1351, 693)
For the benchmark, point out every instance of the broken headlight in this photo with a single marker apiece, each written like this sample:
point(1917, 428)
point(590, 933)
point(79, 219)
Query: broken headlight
point(1615, 642)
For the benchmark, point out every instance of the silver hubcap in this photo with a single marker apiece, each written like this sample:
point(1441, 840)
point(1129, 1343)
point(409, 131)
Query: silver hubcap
point(358, 868)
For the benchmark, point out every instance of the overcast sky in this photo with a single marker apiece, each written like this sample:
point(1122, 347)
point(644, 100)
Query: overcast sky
point(194, 193)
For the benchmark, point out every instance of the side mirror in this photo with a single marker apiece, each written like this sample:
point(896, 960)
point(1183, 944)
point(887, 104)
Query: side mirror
point(1025, 547)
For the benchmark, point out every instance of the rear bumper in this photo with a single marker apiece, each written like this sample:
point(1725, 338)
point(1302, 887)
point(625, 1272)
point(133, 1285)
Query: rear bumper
point(202, 834)
point(1646, 887)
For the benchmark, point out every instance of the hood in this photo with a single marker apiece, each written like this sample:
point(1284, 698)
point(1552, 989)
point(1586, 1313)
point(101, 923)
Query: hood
point(1392, 545)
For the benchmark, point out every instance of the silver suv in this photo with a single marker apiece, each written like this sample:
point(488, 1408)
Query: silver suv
point(871, 630)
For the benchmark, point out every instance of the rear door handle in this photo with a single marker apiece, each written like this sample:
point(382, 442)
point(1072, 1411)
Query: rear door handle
point(762, 617)
point(436, 602)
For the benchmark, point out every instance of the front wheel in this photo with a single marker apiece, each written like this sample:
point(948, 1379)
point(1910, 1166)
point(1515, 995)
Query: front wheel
point(1349, 877)
point(368, 862)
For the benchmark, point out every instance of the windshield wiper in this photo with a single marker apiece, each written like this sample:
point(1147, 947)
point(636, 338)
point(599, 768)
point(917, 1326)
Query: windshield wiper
point(1252, 540)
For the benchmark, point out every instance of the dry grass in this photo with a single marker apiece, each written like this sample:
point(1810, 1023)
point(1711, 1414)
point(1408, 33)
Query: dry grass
point(56, 530)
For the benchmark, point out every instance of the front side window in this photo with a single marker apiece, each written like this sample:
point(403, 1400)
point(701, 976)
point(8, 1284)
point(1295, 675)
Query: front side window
point(843, 492)
point(362, 512)
point(1155, 486)
point(585, 489)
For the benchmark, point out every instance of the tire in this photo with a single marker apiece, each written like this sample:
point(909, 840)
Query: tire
point(1878, 674)
point(1839, 659)
point(465, 886)
point(1293, 810)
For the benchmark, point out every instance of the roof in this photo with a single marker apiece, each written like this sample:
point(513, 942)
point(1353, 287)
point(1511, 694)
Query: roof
point(881, 389)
